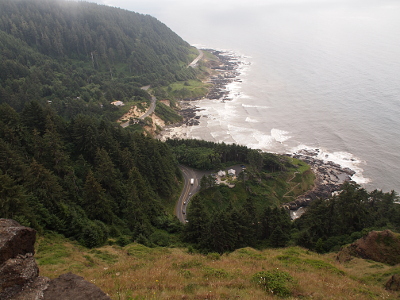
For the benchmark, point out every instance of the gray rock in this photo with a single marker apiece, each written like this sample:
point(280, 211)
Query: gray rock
point(15, 240)
point(19, 273)
point(73, 287)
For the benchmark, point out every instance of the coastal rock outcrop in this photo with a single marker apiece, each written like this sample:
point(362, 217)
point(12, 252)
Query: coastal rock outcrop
point(380, 246)
point(19, 273)
point(329, 178)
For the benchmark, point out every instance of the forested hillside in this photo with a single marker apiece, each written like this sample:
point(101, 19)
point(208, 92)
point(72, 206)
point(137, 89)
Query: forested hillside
point(86, 178)
point(80, 56)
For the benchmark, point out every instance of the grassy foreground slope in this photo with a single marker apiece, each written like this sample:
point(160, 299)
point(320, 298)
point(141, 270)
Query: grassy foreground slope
point(138, 272)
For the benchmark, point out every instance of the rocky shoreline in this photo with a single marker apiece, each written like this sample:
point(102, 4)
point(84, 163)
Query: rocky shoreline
point(329, 176)
point(226, 73)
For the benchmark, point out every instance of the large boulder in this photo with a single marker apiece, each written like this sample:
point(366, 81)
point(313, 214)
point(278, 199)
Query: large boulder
point(380, 246)
point(15, 239)
point(73, 287)
point(19, 273)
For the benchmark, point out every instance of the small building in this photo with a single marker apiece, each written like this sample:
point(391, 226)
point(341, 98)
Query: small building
point(231, 172)
point(221, 173)
point(118, 103)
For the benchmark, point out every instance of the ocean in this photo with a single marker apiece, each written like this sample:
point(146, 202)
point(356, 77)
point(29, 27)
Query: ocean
point(317, 75)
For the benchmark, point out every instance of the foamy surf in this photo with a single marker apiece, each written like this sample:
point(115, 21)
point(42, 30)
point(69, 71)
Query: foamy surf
point(251, 138)
point(280, 135)
point(254, 106)
point(342, 158)
point(250, 120)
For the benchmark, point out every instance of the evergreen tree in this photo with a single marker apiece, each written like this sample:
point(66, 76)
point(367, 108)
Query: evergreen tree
point(12, 198)
point(95, 202)
point(198, 219)
point(219, 235)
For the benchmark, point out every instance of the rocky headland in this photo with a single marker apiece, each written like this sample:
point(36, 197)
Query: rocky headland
point(329, 178)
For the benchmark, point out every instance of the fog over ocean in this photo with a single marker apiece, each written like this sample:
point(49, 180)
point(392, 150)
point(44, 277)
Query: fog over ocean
point(323, 74)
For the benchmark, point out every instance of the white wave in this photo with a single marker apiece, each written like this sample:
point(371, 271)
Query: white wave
point(250, 120)
point(244, 96)
point(244, 136)
point(255, 106)
point(264, 141)
point(280, 135)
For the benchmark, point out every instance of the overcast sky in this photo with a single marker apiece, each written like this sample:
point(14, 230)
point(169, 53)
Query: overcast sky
point(195, 19)
point(179, 14)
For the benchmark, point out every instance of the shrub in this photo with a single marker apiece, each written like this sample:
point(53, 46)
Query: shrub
point(160, 238)
point(215, 273)
point(213, 256)
point(275, 282)
point(94, 234)
point(123, 240)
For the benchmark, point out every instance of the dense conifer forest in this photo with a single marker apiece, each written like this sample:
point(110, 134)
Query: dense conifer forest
point(81, 56)
point(86, 178)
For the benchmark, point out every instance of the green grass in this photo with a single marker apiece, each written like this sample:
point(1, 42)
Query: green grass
point(187, 89)
point(141, 251)
point(167, 114)
point(105, 256)
point(249, 253)
point(274, 282)
point(215, 273)
point(51, 250)
point(322, 265)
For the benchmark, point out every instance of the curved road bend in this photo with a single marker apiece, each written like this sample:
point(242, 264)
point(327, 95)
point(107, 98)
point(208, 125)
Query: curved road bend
point(187, 191)
point(147, 113)
point(190, 189)
point(154, 100)
point(196, 60)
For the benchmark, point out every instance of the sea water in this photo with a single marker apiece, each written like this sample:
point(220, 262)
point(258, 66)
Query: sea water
point(317, 75)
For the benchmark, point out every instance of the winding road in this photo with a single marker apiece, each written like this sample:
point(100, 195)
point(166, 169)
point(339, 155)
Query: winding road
point(146, 114)
point(154, 100)
point(190, 189)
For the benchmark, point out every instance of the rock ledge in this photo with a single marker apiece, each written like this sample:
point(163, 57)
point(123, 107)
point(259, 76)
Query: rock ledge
point(19, 273)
